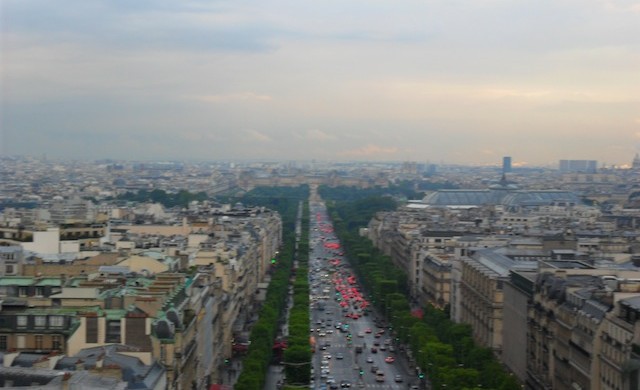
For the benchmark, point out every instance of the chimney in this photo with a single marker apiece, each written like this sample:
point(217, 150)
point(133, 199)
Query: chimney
point(561, 273)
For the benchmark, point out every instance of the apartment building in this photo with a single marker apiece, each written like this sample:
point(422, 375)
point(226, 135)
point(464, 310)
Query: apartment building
point(582, 330)
point(436, 278)
point(11, 260)
point(518, 297)
point(53, 239)
point(42, 316)
point(480, 293)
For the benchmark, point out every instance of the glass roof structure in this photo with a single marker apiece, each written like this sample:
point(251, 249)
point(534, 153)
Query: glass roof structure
point(464, 197)
point(539, 198)
point(509, 198)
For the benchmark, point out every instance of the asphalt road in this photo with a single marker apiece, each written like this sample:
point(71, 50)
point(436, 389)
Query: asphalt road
point(335, 357)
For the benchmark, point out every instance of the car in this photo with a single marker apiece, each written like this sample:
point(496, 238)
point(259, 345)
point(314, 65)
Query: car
point(339, 356)
point(326, 356)
point(398, 378)
point(324, 362)
point(374, 369)
point(368, 330)
point(374, 350)
point(380, 376)
point(389, 359)
point(345, 384)
point(383, 347)
point(369, 359)
point(360, 334)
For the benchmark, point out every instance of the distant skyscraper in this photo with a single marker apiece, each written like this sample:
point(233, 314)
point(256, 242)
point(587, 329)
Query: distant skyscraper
point(635, 165)
point(585, 166)
point(506, 164)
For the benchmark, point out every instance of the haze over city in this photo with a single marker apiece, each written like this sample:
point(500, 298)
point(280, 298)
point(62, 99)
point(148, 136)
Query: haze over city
point(444, 81)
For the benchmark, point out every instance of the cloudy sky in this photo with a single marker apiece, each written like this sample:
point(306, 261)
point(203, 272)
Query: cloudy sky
point(454, 81)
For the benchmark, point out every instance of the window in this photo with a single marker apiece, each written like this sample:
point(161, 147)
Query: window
point(56, 342)
point(9, 269)
point(23, 291)
point(21, 321)
point(39, 291)
point(39, 343)
point(3, 343)
point(21, 341)
point(40, 322)
point(56, 321)
point(113, 332)
point(92, 330)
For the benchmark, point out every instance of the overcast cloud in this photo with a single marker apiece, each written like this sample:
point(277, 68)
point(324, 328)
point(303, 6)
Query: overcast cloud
point(455, 81)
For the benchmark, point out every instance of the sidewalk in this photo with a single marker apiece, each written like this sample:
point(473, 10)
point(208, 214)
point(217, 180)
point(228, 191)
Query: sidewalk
point(275, 377)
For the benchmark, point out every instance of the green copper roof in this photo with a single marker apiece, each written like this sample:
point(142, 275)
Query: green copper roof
point(49, 282)
point(16, 281)
point(113, 314)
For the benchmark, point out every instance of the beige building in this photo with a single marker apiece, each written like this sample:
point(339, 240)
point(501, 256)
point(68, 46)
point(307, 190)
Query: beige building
point(582, 330)
point(478, 292)
point(436, 279)
point(76, 267)
point(144, 265)
point(54, 240)
point(619, 359)
point(518, 294)
point(185, 321)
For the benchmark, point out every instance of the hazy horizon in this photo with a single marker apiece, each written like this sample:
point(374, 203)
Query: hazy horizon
point(455, 82)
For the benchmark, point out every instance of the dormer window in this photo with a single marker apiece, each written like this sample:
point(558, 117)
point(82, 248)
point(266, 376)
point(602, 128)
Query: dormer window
point(56, 321)
point(113, 331)
point(40, 322)
point(22, 321)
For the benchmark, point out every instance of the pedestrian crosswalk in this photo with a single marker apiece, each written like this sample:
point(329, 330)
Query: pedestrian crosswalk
point(381, 386)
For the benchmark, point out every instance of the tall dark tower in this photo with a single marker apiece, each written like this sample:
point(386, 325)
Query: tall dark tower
point(635, 165)
point(506, 164)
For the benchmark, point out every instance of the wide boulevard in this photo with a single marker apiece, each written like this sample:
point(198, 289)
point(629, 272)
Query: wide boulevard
point(353, 348)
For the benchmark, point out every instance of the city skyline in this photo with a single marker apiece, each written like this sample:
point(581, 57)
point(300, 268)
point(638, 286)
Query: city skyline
point(464, 82)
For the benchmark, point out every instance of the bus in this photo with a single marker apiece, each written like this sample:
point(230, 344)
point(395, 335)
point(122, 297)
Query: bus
point(312, 343)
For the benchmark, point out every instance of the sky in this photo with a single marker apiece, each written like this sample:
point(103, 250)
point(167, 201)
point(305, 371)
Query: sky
point(439, 81)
